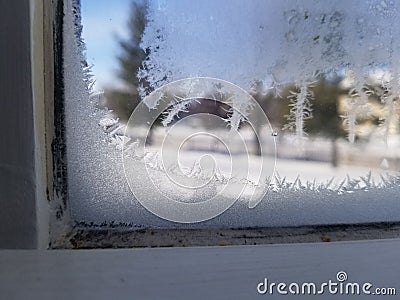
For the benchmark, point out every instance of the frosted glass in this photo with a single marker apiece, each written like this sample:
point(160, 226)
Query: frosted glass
point(240, 42)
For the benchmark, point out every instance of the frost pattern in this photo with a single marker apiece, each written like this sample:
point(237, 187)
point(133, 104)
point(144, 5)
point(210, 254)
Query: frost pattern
point(389, 95)
point(88, 76)
point(347, 185)
point(173, 112)
point(97, 188)
point(358, 105)
point(300, 110)
point(278, 42)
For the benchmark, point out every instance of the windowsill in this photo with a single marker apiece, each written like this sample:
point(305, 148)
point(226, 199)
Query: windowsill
point(125, 237)
point(192, 273)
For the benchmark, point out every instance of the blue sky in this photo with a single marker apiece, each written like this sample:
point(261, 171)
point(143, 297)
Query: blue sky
point(104, 21)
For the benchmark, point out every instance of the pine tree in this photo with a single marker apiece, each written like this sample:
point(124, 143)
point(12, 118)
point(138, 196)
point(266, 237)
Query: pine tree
point(123, 101)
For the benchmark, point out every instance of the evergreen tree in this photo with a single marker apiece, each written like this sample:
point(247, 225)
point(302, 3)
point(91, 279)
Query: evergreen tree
point(123, 101)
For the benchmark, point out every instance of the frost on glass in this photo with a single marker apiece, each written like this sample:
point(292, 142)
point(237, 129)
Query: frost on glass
point(278, 42)
point(243, 42)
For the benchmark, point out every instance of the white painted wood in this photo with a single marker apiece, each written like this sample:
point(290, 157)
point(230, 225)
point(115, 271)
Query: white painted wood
point(193, 273)
point(17, 147)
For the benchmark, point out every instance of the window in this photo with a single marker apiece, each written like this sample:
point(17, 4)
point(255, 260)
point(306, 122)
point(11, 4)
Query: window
point(289, 117)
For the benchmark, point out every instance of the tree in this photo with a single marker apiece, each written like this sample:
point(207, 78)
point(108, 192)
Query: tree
point(123, 101)
point(326, 120)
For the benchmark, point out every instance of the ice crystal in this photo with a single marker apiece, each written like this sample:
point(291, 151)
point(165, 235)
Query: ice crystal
point(173, 112)
point(358, 105)
point(300, 109)
point(88, 76)
point(389, 96)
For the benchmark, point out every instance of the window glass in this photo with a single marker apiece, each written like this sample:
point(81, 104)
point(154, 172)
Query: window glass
point(232, 113)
